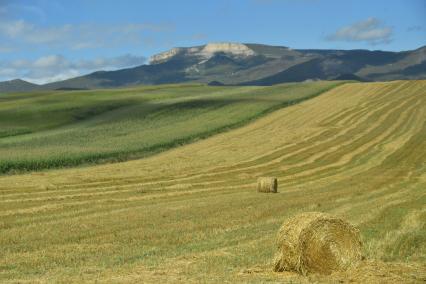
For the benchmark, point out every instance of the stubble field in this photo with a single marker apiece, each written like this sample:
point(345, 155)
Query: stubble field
point(192, 213)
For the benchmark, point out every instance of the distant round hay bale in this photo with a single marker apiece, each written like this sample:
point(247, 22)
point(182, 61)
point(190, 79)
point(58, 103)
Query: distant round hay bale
point(316, 242)
point(267, 184)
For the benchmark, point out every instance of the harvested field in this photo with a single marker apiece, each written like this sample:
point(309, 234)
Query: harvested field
point(190, 214)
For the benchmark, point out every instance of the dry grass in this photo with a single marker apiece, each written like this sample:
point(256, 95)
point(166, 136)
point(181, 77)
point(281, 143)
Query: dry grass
point(181, 217)
point(315, 242)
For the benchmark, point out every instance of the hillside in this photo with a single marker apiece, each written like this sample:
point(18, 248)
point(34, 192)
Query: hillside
point(255, 64)
point(61, 129)
point(192, 214)
point(17, 85)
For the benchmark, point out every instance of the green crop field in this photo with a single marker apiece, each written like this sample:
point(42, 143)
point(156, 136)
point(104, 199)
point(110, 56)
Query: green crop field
point(192, 214)
point(58, 129)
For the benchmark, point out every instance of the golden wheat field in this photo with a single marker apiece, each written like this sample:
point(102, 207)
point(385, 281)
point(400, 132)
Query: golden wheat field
point(193, 214)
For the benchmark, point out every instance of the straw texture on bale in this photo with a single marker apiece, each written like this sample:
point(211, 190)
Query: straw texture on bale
point(267, 184)
point(316, 242)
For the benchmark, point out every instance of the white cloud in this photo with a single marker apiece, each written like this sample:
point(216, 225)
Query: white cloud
point(63, 75)
point(21, 30)
point(12, 29)
point(76, 36)
point(7, 72)
point(52, 68)
point(370, 30)
point(50, 61)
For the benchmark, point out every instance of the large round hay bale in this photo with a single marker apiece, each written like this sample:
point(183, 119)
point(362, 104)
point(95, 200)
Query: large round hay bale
point(267, 184)
point(316, 242)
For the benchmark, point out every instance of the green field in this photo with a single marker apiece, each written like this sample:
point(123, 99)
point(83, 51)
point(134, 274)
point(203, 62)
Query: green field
point(192, 214)
point(59, 129)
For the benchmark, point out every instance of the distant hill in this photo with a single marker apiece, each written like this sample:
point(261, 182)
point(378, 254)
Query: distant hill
point(350, 77)
point(17, 85)
point(249, 64)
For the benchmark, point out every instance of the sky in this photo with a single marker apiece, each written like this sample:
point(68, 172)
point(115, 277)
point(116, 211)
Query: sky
point(46, 40)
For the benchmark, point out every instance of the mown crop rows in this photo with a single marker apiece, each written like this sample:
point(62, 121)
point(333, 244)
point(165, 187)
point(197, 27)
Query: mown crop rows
point(193, 213)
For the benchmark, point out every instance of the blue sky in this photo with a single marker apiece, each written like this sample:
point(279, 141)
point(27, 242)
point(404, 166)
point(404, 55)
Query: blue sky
point(47, 40)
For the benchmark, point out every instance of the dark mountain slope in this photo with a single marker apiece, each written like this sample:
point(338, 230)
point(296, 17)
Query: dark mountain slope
point(301, 72)
point(17, 85)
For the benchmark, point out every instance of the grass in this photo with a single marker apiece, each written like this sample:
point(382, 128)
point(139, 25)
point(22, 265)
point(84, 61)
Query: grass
point(192, 214)
point(62, 129)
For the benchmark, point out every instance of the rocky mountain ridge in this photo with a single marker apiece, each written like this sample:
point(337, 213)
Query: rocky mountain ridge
point(249, 64)
point(204, 52)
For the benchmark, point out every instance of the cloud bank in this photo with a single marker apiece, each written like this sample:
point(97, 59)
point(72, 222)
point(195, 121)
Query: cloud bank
point(22, 35)
point(52, 68)
point(370, 30)
point(80, 36)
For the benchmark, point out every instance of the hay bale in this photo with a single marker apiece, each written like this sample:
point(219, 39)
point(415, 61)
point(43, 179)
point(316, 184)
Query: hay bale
point(317, 243)
point(267, 184)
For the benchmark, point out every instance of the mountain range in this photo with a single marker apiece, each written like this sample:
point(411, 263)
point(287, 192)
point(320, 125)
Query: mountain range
point(248, 64)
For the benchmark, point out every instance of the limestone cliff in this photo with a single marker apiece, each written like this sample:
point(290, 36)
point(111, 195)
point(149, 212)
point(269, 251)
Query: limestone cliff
point(238, 49)
point(164, 56)
point(205, 52)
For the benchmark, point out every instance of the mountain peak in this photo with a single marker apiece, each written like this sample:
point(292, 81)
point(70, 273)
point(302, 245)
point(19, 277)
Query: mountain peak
point(228, 47)
point(166, 55)
point(17, 85)
point(18, 81)
point(205, 51)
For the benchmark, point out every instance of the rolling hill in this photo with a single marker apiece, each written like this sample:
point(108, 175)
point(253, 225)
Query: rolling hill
point(192, 214)
point(252, 64)
point(61, 128)
point(17, 85)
